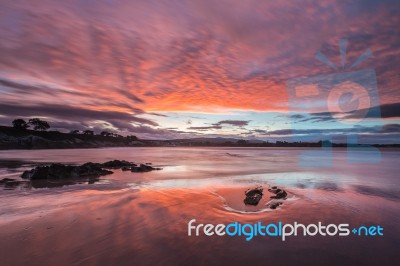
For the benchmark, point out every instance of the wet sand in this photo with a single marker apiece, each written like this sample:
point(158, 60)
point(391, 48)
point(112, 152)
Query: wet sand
point(141, 219)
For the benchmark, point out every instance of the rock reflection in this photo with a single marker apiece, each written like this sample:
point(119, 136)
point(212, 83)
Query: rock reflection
point(12, 184)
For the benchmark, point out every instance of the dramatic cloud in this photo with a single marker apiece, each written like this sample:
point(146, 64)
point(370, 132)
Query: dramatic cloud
point(390, 128)
point(204, 128)
point(70, 114)
point(384, 111)
point(239, 123)
point(221, 124)
point(127, 64)
point(387, 128)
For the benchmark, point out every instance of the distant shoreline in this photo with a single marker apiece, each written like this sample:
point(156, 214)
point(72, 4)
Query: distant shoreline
point(16, 139)
point(335, 146)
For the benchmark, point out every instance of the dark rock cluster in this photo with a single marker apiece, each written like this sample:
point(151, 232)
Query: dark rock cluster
point(140, 168)
point(274, 205)
point(143, 168)
point(279, 193)
point(253, 196)
point(116, 164)
point(62, 171)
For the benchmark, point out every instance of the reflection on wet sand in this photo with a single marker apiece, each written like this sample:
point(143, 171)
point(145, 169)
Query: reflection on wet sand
point(141, 218)
point(150, 226)
point(10, 184)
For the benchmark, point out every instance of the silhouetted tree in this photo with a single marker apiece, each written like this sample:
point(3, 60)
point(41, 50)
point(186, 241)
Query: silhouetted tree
point(74, 132)
point(131, 138)
point(39, 124)
point(88, 132)
point(20, 124)
point(105, 133)
point(241, 141)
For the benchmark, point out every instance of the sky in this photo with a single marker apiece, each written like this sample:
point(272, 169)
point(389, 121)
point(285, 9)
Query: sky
point(266, 70)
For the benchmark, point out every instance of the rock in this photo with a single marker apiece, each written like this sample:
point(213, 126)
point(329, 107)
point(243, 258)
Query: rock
point(279, 193)
point(61, 171)
point(143, 168)
point(117, 164)
point(40, 172)
point(92, 170)
point(253, 196)
point(273, 189)
point(87, 170)
point(274, 205)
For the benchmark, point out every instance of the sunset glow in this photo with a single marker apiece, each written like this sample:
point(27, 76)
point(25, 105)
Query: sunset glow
point(163, 70)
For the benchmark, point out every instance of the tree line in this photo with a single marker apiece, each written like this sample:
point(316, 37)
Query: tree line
point(41, 125)
point(36, 123)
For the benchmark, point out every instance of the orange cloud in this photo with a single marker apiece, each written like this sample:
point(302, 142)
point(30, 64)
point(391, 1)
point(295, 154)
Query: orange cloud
point(137, 57)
